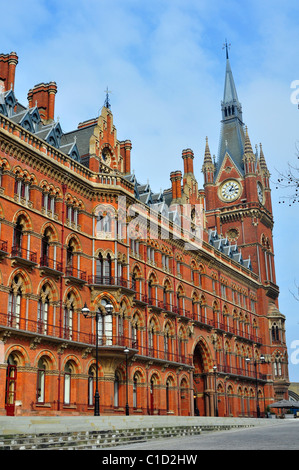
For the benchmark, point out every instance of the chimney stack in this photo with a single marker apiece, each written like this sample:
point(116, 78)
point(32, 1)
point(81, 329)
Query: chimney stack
point(8, 63)
point(43, 96)
point(176, 185)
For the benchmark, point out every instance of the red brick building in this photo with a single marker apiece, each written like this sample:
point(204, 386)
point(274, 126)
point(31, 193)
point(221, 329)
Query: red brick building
point(189, 272)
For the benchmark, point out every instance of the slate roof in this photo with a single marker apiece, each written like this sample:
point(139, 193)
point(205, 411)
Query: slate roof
point(231, 250)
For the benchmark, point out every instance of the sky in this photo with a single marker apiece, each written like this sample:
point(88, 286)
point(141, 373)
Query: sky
point(164, 63)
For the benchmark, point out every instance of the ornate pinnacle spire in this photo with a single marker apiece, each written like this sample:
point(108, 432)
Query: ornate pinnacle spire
point(208, 167)
point(248, 148)
point(263, 163)
point(207, 157)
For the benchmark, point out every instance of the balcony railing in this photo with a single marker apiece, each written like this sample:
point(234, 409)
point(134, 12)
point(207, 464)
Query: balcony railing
point(166, 355)
point(22, 253)
point(70, 271)
point(249, 371)
point(99, 280)
point(46, 262)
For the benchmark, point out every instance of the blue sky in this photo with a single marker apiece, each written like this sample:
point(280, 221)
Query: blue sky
point(164, 63)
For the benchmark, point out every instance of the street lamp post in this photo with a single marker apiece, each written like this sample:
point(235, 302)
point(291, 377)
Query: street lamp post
point(126, 351)
point(255, 362)
point(216, 398)
point(86, 312)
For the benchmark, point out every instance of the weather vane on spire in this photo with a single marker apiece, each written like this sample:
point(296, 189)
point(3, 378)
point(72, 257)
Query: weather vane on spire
point(226, 46)
point(107, 102)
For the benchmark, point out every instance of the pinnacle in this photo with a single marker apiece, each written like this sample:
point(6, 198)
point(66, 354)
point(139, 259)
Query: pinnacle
point(248, 148)
point(262, 158)
point(207, 158)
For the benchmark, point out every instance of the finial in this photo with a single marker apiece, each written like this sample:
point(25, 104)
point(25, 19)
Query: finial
point(226, 46)
point(107, 102)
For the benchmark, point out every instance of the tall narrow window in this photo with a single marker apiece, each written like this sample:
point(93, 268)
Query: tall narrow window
point(99, 269)
point(105, 326)
point(14, 304)
point(67, 383)
point(43, 310)
point(45, 250)
point(18, 237)
point(68, 317)
point(108, 270)
point(41, 381)
point(90, 385)
point(116, 389)
point(135, 401)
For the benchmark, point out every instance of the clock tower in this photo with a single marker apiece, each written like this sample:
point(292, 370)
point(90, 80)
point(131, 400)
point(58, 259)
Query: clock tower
point(237, 192)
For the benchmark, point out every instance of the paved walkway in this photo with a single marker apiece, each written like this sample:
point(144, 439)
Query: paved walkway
point(48, 424)
point(284, 435)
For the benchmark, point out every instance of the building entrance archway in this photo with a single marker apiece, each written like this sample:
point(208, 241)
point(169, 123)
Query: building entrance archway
point(203, 381)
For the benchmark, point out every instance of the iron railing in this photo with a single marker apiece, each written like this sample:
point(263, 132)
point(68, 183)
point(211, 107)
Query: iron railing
point(17, 251)
point(50, 263)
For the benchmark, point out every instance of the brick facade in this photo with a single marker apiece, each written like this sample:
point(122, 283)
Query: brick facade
point(191, 278)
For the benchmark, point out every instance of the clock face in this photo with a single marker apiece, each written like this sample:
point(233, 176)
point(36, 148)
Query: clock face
point(230, 190)
point(260, 193)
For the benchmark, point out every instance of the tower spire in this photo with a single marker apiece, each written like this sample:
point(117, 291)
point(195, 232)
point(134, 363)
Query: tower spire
point(232, 136)
point(107, 102)
point(226, 47)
